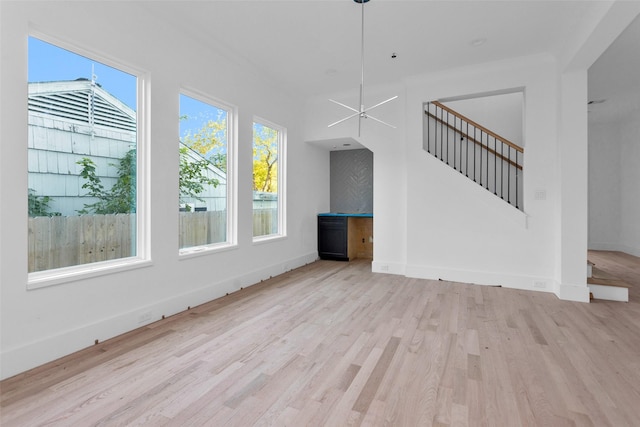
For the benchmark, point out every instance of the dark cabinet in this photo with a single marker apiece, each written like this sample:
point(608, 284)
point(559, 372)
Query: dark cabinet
point(333, 236)
point(345, 237)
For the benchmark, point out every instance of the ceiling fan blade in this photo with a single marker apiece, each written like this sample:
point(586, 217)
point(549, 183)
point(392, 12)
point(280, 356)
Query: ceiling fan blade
point(381, 103)
point(344, 105)
point(345, 119)
point(380, 121)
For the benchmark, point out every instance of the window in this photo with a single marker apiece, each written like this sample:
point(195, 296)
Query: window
point(82, 163)
point(204, 166)
point(269, 142)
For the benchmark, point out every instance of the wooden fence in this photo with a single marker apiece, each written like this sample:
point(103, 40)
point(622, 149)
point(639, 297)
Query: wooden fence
point(63, 241)
point(202, 228)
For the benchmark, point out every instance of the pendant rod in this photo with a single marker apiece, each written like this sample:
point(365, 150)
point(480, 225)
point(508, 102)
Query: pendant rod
point(362, 60)
point(362, 111)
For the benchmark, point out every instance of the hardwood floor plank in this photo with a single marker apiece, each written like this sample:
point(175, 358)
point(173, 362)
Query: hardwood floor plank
point(369, 390)
point(334, 344)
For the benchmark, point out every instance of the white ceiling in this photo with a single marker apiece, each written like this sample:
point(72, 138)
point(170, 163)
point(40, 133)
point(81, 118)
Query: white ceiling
point(312, 47)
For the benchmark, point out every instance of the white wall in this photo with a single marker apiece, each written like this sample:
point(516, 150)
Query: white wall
point(630, 185)
point(614, 184)
point(42, 324)
point(458, 230)
point(429, 220)
point(500, 113)
point(614, 140)
point(604, 186)
point(389, 161)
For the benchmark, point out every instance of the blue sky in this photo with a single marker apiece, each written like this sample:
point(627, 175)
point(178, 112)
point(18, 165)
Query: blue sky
point(197, 114)
point(51, 63)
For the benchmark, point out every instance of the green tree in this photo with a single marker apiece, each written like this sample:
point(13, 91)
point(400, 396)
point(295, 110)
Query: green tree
point(193, 177)
point(265, 159)
point(209, 141)
point(39, 205)
point(121, 198)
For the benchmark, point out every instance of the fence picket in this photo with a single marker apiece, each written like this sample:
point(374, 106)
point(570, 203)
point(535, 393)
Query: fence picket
point(64, 241)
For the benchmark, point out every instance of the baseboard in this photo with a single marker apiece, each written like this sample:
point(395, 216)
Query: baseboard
point(15, 360)
point(525, 282)
point(388, 267)
point(578, 293)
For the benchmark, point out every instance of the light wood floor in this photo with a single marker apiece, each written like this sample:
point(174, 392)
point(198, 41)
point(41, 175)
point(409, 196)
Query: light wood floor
point(333, 344)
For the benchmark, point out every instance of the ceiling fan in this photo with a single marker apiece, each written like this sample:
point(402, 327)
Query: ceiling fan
point(362, 112)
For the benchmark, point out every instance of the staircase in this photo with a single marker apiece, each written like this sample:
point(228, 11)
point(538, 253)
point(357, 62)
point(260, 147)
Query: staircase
point(603, 285)
point(480, 154)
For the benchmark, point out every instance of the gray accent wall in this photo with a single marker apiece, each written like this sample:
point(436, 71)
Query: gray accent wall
point(351, 181)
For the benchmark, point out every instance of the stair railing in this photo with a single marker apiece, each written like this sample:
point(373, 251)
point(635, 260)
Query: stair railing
point(480, 154)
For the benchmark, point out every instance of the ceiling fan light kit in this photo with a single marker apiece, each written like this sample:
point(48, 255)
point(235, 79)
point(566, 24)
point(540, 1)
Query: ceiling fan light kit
point(362, 112)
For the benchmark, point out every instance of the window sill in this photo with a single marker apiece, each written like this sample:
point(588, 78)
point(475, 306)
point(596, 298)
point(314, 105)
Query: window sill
point(205, 250)
point(268, 239)
point(42, 279)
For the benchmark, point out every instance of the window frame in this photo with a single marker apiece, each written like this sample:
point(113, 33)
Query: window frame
point(231, 190)
point(57, 276)
point(282, 191)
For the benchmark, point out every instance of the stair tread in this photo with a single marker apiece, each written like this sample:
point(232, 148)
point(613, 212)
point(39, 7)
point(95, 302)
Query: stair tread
point(602, 278)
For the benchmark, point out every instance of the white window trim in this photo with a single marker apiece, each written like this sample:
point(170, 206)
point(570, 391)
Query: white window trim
point(282, 181)
point(57, 276)
point(232, 199)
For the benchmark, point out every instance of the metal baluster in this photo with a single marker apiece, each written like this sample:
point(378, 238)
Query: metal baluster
point(502, 170)
point(466, 158)
point(481, 150)
point(462, 138)
point(517, 203)
point(428, 129)
point(474, 153)
point(447, 137)
point(441, 131)
point(454, 143)
point(487, 150)
point(460, 148)
point(509, 176)
point(495, 167)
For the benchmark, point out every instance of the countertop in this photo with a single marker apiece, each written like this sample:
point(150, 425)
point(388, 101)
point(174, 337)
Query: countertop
point(359, 215)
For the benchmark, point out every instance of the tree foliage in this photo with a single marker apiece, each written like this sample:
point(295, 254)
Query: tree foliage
point(209, 141)
point(121, 197)
point(39, 205)
point(193, 176)
point(265, 159)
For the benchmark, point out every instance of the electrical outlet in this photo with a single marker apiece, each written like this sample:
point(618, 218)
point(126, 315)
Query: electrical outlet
point(384, 267)
point(540, 195)
point(539, 284)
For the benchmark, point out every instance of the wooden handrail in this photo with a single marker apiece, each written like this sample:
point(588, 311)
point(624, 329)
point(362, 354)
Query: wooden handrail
point(480, 143)
point(484, 129)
